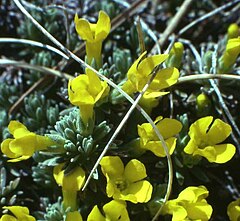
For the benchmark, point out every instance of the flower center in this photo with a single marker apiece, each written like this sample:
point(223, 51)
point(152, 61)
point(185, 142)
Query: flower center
point(121, 184)
point(203, 144)
point(93, 30)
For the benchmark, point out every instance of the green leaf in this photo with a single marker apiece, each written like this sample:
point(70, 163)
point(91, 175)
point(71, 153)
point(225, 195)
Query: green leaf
point(54, 161)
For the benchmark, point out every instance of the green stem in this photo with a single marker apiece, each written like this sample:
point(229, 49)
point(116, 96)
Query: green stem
point(7, 62)
point(190, 78)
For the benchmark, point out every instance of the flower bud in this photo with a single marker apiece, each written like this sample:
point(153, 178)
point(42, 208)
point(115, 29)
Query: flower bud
point(233, 31)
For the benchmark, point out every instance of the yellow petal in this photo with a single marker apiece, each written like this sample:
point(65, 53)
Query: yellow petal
point(58, 174)
point(233, 47)
point(199, 211)
point(165, 78)
point(148, 64)
point(111, 188)
point(73, 216)
point(104, 92)
point(233, 210)
point(208, 152)
point(103, 26)
point(112, 213)
point(139, 192)
point(95, 82)
point(145, 132)
point(8, 218)
point(72, 181)
point(199, 128)
point(218, 153)
point(171, 207)
point(83, 28)
point(191, 147)
point(224, 152)
point(113, 166)
point(154, 94)
point(95, 215)
point(133, 69)
point(144, 69)
point(169, 127)
point(79, 82)
point(24, 146)
point(21, 212)
point(15, 126)
point(179, 213)
point(21, 132)
point(19, 159)
point(218, 132)
point(157, 148)
point(5, 148)
point(135, 171)
point(78, 91)
point(230, 55)
point(194, 193)
point(83, 97)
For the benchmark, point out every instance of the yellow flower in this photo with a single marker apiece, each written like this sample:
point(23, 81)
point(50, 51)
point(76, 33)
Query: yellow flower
point(24, 144)
point(233, 31)
point(93, 34)
point(233, 210)
point(85, 91)
point(70, 184)
point(205, 136)
point(20, 214)
point(230, 55)
point(190, 205)
point(73, 216)
point(202, 101)
point(139, 74)
point(203, 105)
point(112, 211)
point(150, 141)
point(149, 102)
point(126, 183)
point(175, 55)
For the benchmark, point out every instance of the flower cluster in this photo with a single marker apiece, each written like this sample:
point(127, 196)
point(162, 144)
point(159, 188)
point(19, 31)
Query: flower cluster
point(85, 91)
point(126, 183)
point(24, 144)
point(205, 136)
point(140, 73)
point(129, 178)
point(93, 35)
point(190, 205)
point(168, 129)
